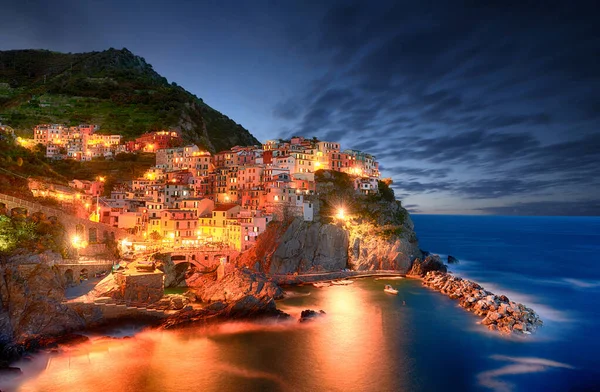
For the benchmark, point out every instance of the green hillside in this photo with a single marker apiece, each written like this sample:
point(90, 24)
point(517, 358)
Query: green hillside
point(115, 89)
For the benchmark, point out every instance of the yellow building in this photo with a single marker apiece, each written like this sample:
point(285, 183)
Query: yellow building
point(220, 226)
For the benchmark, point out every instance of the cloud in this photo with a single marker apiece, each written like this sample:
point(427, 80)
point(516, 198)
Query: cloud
point(478, 114)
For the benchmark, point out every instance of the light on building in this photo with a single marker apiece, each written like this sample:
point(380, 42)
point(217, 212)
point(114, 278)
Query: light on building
point(341, 214)
point(77, 242)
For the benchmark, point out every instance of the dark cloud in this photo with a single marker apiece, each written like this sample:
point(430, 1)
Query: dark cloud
point(487, 100)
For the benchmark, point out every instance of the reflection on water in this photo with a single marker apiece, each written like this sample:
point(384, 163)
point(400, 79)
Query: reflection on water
point(340, 351)
point(368, 340)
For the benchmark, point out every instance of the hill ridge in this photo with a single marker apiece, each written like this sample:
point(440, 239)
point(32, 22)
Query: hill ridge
point(114, 88)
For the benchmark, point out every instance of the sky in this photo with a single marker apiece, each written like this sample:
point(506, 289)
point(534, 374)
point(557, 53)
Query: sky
point(472, 107)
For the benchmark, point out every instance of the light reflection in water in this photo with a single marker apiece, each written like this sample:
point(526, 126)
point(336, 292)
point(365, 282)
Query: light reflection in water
point(348, 346)
point(343, 351)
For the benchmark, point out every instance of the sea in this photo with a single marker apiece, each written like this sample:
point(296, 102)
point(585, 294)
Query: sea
point(369, 340)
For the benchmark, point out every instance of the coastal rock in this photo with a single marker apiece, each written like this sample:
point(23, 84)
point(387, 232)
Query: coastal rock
point(32, 304)
point(246, 307)
point(498, 312)
point(307, 246)
point(380, 236)
point(388, 244)
point(452, 260)
point(172, 302)
point(431, 263)
point(309, 314)
point(234, 286)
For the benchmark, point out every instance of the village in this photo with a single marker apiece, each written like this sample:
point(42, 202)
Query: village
point(199, 206)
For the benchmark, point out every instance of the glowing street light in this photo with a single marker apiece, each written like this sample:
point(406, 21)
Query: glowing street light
point(341, 214)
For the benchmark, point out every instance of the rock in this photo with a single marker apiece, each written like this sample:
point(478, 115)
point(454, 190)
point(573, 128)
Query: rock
point(385, 241)
point(452, 260)
point(35, 304)
point(498, 312)
point(494, 316)
point(431, 263)
point(247, 307)
point(309, 314)
point(234, 286)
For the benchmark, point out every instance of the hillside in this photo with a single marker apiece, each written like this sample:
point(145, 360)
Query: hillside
point(115, 89)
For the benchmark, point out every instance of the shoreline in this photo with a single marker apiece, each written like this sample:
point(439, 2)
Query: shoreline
point(497, 311)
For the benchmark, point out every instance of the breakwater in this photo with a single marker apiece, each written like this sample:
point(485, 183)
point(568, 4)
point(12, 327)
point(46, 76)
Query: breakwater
point(498, 312)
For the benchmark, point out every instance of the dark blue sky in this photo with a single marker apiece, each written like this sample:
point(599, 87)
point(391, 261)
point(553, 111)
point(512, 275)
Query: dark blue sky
point(471, 107)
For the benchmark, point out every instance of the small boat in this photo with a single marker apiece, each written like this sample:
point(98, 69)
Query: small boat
point(342, 282)
point(321, 284)
point(390, 290)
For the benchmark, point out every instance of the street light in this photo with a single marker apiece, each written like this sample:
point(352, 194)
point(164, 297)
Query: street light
point(341, 214)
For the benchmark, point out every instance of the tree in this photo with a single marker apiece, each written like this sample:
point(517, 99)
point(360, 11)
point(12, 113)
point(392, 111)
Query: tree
point(386, 192)
point(155, 236)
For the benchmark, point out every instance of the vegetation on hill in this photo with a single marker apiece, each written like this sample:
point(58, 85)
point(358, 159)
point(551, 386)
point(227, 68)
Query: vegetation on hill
point(18, 163)
point(115, 89)
point(336, 192)
point(34, 234)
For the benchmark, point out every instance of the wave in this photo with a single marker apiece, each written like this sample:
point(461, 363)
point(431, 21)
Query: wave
point(519, 365)
point(582, 283)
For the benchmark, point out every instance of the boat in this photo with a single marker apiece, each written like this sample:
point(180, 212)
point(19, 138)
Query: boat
point(342, 282)
point(321, 284)
point(390, 290)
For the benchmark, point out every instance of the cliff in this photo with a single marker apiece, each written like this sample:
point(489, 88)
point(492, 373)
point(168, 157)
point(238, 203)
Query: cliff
point(376, 233)
point(31, 305)
point(115, 89)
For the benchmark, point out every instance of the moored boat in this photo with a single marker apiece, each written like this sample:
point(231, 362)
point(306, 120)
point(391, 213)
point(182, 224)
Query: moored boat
point(390, 290)
point(321, 284)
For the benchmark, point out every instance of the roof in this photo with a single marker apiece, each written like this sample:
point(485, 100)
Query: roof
point(225, 207)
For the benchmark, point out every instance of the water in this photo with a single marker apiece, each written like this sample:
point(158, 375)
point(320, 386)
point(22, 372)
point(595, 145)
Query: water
point(372, 341)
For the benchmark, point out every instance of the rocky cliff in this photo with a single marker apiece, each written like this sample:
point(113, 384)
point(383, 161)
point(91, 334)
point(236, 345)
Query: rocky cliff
point(375, 234)
point(31, 305)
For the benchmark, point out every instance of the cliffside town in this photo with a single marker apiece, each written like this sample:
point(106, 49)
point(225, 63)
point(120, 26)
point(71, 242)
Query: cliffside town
point(208, 208)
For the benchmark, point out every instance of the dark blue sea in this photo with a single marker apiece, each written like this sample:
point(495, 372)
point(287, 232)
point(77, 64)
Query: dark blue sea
point(419, 340)
point(549, 263)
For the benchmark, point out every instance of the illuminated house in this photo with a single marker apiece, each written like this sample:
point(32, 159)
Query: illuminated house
point(179, 158)
point(179, 226)
point(218, 225)
point(153, 141)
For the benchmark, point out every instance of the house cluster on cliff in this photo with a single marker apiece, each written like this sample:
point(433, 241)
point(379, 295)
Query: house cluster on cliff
point(192, 197)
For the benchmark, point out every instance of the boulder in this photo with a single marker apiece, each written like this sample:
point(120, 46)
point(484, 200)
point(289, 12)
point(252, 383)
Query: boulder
point(246, 307)
point(431, 263)
point(452, 260)
point(309, 314)
point(236, 285)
